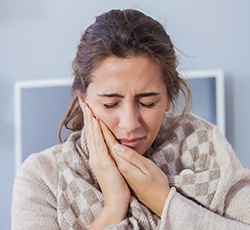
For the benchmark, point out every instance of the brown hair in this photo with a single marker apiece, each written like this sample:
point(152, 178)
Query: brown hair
point(124, 33)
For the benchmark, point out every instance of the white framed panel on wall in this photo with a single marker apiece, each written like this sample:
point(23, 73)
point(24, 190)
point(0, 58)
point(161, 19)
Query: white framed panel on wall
point(208, 95)
point(40, 106)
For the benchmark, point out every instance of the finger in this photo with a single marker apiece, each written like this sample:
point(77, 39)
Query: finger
point(98, 136)
point(128, 155)
point(132, 157)
point(88, 126)
point(82, 108)
point(96, 143)
point(108, 136)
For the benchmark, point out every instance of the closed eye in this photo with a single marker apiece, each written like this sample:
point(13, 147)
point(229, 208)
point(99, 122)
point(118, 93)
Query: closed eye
point(147, 105)
point(111, 106)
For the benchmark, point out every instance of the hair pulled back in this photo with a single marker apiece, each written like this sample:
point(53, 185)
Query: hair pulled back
point(123, 34)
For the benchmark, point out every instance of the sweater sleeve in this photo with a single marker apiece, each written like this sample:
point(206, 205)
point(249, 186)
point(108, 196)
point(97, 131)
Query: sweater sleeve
point(182, 213)
point(232, 199)
point(34, 193)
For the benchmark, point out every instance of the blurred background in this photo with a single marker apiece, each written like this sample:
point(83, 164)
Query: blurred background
point(38, 40)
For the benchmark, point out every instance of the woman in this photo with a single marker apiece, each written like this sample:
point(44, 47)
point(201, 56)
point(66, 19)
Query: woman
point(130, 163)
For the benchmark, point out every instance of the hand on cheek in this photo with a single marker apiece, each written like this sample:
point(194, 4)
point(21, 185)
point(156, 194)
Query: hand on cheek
point(146, 179)
point(112, 183)
point(148, 182)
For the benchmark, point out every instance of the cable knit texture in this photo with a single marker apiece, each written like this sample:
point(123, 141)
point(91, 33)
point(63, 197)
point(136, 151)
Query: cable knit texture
point(56, 189)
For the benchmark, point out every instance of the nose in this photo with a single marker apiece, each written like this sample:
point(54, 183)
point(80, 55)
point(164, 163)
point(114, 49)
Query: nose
point(130, 119)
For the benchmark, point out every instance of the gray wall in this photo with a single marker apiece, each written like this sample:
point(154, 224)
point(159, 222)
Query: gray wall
point(38, 39)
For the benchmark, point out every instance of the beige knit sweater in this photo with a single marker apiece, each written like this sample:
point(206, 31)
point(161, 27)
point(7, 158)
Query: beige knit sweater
point(56, 189)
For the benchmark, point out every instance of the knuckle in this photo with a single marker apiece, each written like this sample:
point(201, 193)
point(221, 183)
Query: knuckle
point(129, 155)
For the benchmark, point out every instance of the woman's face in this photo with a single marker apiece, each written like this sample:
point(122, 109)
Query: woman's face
point(130, 97)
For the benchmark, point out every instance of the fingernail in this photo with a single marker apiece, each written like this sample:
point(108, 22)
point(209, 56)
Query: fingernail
point(119, 147)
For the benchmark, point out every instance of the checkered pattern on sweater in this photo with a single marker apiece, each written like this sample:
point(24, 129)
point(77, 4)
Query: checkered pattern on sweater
point(186, 155)
point(188, 158)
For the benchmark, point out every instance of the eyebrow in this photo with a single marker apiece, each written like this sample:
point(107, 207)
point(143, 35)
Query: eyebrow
point(139, 95)
point(147, 94)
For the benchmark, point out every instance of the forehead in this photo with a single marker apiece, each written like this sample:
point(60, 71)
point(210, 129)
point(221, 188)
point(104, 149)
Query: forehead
point(128, 71)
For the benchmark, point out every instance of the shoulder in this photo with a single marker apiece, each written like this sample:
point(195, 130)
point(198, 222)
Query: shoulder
point(34, 198)
point(48, 159)
point(35, 189)
point(39, 160)
point(201, 131)
point(202, 144)
point(189, 140)
point(38, 170)
point(45, 164)
point(191, 123)
point(44, 167)
point(178, 129)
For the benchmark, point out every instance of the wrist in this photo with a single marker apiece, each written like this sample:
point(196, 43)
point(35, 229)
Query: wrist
point(110, 215)
point(157, 202)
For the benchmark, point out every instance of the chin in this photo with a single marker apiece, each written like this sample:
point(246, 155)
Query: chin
point(141, 151)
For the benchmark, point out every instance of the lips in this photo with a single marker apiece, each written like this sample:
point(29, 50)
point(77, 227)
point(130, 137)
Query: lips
point(131, 143)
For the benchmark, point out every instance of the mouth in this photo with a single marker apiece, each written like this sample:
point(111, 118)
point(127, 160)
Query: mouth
point(131, 143)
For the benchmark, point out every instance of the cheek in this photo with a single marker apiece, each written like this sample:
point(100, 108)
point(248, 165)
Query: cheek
point(107, 118)
point(153, 122)
point(153, 127)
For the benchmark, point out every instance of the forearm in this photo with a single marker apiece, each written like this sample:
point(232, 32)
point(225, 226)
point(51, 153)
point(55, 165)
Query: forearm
point(181, 213)
point(157, 201)
point(110, 215)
